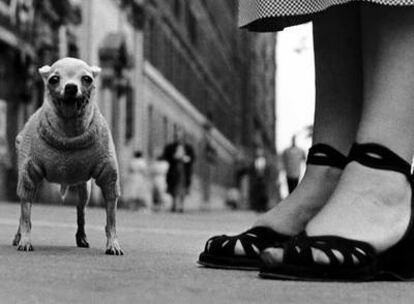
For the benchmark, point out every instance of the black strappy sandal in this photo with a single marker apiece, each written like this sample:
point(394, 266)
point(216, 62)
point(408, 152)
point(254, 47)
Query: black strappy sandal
point(243, 251)
point(349, 260)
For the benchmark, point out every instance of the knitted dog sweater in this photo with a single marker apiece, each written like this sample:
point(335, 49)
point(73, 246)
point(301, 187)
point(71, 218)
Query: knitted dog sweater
point(44, 153)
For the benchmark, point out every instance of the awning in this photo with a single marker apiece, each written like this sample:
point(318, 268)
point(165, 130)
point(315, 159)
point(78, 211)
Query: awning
point(11, 39)
point(114, 52)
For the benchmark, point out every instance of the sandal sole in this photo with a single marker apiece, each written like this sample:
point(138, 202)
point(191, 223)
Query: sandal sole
point(294, 273)
point(218, 262)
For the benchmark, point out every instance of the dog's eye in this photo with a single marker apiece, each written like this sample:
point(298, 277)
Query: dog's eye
point(54, 80)
point(87, 79)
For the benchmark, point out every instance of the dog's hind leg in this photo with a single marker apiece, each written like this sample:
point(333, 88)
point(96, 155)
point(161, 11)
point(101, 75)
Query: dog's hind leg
point(17, 237)
point(83, 198)
point(107, 178)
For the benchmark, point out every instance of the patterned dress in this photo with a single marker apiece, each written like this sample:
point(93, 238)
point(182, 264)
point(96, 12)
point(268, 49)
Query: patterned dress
point(274, 15)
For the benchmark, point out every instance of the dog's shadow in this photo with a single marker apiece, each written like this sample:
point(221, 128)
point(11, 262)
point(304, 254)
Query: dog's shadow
point(53, 250)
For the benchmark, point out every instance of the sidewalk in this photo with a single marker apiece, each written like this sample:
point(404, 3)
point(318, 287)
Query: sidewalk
point(159, 265)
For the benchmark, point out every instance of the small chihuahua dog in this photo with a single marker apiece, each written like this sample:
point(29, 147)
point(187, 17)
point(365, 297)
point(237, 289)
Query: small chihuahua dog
point(67, 141)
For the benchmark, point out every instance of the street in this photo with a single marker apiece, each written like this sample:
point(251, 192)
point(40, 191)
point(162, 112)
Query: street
point(159, 265)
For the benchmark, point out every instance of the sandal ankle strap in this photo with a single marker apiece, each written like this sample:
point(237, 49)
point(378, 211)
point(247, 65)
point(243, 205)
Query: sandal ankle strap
point(379, 157)
point(324, 155)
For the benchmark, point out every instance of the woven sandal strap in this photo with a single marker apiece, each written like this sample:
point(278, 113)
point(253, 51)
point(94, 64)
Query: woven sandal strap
point(324, 155)
point(253, 241)
point(379, 157)
point(265, 236)
point(345, 247)
point(299, 250)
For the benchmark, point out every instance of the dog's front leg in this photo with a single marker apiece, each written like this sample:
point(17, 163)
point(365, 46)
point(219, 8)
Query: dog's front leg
point(112, 245)
point(30, 177)
point(25, 226)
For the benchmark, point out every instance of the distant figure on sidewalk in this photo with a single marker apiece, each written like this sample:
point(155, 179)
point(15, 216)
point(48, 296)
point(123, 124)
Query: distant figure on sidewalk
point(293, 157)
point(159, 169)
point(180, 157)
point(137, 191)
point(260, 174)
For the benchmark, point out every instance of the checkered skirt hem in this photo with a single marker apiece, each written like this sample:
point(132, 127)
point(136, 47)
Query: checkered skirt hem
point(291, 12)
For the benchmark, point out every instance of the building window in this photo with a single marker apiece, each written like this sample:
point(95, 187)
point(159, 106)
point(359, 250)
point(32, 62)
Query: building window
point(175, 128)
point(192, 26)
point(73, 50)
point(165, 126)
point(177, 8)
point(130, 114)
point(150, 131)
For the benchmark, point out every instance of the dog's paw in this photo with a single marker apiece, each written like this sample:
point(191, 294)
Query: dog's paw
point(16, 239)
point(114, 249)
point(81, 241)
point(24, 246)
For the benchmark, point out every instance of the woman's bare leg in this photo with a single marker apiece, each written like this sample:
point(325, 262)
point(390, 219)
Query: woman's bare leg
point(373, 205)
point(338, 105)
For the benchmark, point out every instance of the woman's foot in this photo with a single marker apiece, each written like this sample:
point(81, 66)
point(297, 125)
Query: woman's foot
point(274, 227)
point(369, 205)
point(289, 218)
point(292, 214)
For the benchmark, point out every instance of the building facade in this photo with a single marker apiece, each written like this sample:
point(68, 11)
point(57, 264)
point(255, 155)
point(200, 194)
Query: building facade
point(224, 74)
point(167, 65)
point(29, 30)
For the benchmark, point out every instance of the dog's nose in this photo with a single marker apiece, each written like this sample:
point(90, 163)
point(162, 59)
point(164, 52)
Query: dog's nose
point(71, 89)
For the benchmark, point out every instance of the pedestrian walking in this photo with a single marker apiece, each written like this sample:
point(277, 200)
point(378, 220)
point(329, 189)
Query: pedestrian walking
point(159, 169)
point(259, 175)
point(180, 157)
point(293, 158)
point(351, 215)
point(137, 193)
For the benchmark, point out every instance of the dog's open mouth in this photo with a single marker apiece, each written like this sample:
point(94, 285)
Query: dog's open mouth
point(71, 106)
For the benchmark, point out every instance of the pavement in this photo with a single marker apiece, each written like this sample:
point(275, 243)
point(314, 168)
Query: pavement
point(159, 265)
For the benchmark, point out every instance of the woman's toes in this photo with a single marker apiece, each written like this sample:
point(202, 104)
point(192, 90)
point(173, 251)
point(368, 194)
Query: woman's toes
point(272, 256)
point(320, 257)
point(238, 249)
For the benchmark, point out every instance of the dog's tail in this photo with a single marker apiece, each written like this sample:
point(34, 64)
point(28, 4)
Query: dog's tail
point(64, 189)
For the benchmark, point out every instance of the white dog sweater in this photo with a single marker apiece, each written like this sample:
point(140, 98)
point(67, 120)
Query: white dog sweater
point(44, 153)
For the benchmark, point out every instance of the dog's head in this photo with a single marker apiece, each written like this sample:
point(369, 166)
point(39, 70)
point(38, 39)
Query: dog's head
point(69, 85)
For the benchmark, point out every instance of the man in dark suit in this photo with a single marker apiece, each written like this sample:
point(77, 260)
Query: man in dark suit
point(180, 157)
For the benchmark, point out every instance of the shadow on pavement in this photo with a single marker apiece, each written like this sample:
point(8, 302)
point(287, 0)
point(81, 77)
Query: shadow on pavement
point(53, 250)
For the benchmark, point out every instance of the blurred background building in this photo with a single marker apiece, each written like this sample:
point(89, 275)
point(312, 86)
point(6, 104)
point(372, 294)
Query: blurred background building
point(167, 65)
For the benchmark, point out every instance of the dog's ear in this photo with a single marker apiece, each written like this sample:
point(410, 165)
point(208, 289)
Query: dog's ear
point(44, 71)
point(95, 71)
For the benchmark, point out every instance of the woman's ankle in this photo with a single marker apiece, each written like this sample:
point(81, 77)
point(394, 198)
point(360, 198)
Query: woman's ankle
point(369, 205)
point(292, 214)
